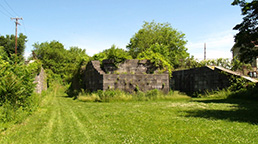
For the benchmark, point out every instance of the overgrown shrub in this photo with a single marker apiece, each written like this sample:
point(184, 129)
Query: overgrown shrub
point(153, 94)
point(16, 89)
point(249, 92)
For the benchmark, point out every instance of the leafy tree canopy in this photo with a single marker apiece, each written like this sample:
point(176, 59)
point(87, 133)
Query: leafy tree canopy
point(8, 44)
point(160, 38)
point(117, 54)
point(247, 37)
point(58, 61)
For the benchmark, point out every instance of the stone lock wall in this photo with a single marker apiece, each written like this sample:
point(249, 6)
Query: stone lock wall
point(200, 79)
point(134, 75)
point(130, 76)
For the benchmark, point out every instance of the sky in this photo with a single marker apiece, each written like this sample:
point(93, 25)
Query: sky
point(95, 25)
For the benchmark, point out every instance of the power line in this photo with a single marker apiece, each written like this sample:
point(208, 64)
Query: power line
point(10, 15)
point(24, 27)
point(10, 8)
point(4, 13)
point(16, 15)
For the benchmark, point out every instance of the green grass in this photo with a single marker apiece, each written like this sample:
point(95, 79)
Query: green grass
point(182, 120)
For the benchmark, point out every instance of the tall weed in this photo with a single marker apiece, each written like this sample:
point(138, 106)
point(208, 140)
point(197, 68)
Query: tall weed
point(118, 95)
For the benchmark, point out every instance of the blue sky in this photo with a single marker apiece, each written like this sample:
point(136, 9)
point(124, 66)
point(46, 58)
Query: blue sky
point(95, 25)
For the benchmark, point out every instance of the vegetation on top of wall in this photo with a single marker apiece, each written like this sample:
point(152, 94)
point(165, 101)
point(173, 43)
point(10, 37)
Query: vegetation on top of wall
point(157, 59)
point(114, 53)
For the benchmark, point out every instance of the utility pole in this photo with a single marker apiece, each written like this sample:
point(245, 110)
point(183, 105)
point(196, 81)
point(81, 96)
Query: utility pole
point(204, 51)
point(16, 24)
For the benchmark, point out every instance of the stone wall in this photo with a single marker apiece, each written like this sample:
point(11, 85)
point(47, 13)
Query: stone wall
point(135, 82)
point(130, 76)
point(93, 76)
point(200, 79)
point(41, 81)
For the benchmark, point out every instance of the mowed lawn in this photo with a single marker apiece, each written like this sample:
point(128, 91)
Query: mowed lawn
point(183, 120)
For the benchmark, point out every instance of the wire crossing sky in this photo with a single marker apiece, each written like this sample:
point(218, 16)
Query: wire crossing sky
point(95, 25)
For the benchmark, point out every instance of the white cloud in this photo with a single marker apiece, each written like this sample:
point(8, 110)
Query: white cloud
point(217, 46)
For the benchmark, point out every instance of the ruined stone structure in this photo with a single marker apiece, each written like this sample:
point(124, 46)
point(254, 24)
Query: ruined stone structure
point(130, 76)
point(41, 81)
point(203, 78)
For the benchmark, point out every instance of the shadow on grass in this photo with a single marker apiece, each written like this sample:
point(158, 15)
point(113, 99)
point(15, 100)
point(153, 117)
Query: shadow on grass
point(243, 111)
point(64, 96)
point(67, 97)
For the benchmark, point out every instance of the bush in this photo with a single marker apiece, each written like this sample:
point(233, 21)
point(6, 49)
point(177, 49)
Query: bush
point(240, 88)
point(16, 89)
point(16, 83)
point(250, 92)
point(153, 94)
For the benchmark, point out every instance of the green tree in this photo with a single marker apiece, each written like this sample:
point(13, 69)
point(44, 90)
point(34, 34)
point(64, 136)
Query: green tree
point(160, 38)
point(59, 62)
point(8, 42)
point(76, 58)
point(52, 55)
point(247, 37)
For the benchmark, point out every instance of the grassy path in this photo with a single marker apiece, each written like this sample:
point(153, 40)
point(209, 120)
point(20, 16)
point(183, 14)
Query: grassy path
point(63, 120)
